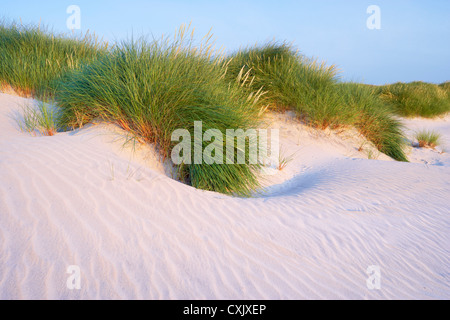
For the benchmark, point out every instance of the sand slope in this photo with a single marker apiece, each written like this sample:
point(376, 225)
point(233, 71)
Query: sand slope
point(78, 198)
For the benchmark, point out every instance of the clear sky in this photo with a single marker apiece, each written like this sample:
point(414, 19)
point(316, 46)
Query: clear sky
point(412, 44)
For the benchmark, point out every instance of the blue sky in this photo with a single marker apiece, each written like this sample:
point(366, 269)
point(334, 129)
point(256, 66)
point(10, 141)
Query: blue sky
point(412, 44)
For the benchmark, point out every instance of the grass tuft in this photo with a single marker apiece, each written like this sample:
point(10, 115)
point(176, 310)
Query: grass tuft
point(427, 138)
point(42, 118)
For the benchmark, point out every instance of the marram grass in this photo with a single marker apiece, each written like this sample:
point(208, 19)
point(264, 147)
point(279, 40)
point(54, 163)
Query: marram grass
point(42, 118)
point(314, 92)
point(154, 88)
point(374, 119)
point(428, 138)
point(31, 57)
point(417, 99)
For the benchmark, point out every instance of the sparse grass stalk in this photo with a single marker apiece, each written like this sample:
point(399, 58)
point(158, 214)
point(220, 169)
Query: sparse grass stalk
point(27, 122)
point(283, 160)
point(47, 118)
point(42, 118)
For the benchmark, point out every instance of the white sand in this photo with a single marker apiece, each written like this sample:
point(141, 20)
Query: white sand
point(78, 198)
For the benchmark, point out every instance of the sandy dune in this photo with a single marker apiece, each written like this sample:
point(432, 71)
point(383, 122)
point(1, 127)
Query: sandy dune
point(82, 198)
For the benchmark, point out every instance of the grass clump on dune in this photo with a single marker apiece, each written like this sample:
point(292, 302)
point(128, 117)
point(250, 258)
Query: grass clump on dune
point(313, 90)
point(417, 99)
point(292, 81)
point(31, 57)
point(42, 118)
point(426, 138)
point(154, 88)
point(374, 119)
